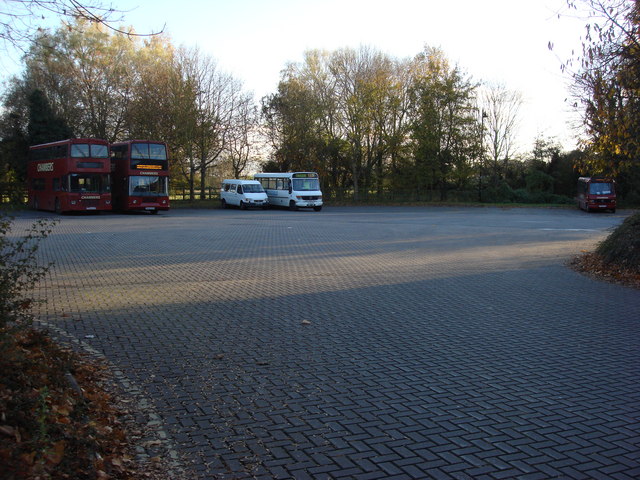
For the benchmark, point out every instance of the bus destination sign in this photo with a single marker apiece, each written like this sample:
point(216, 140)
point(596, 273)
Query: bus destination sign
point(148, 167)
point(305, 175)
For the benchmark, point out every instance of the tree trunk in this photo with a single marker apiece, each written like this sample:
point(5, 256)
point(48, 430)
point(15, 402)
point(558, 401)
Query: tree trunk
point(203, 178)
point(192, 181)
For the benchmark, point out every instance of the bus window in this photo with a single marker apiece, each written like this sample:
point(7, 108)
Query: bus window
point(38, 184)
point(306, 184)
point(140, 150)
point(157, 151)
point(80, 150)
point(86, 182)
point(600, 188)
point(99, 151)
point(147, 185)
point(148, 151)
point(85, 150)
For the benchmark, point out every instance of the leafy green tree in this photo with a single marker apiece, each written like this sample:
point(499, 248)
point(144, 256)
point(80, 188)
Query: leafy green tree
point(293, 116)
point(14, 143)
point(28, 120)
point(369, 122)
point(86, 72)
point(44, 125)
point(442, 121)
point(361, 88)
point(562, 169)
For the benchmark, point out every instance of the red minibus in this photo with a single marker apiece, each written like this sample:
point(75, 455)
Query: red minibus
point(140, 176)
point(69, 176)
point(595, 193)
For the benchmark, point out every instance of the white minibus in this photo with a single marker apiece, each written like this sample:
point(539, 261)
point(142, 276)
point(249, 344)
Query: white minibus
point(243, 194)
point(292, 189)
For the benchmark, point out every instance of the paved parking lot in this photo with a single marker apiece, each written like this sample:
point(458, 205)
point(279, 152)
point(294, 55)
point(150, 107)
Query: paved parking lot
point(361, 342)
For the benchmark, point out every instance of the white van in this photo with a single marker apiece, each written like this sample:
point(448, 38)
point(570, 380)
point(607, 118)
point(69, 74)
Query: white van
point(243, 194)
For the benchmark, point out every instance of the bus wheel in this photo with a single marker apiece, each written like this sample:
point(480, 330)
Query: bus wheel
point(292, 206)
point(57, 207)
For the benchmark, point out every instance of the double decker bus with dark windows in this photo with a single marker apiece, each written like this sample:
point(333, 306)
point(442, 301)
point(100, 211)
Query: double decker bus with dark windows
point(140, 176)
point(70, 175)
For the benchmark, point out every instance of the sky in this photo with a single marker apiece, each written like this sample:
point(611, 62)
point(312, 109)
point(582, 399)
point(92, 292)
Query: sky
point(500, 41)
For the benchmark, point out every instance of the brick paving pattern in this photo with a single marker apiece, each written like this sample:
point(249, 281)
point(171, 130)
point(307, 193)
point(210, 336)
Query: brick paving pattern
point(361, 343)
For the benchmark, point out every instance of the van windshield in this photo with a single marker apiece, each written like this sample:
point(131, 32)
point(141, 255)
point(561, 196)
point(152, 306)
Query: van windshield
point(253, 188)
point(600, 188)
point(306, 184)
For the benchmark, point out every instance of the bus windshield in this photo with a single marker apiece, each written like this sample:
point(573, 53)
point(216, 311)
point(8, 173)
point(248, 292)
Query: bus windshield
point(88, 183)
point(84, 150)
point(306, 184)
point(600, 188)
point(148, 151)
point(140, 185)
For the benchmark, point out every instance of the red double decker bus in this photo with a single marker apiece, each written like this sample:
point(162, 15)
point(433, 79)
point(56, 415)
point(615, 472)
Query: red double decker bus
point(140, 176)
point(69, 176)
point(596, 193)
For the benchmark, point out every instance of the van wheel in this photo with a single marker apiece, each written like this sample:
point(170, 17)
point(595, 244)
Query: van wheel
point(223, 204)
point(242, 205)
point(292, 206)
point(317, 209)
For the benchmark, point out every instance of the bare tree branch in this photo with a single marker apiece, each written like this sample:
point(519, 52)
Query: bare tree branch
point(22, 20)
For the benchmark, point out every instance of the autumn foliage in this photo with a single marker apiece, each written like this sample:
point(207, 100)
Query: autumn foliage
point(617, 258)
point(56, 421)
point(622, 247)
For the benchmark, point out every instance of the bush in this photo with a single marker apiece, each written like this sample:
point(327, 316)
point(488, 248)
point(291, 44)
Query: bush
point(622, 246)
point(19, 270)
point(523, 196)
point(499, 194)
point(538, 181)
